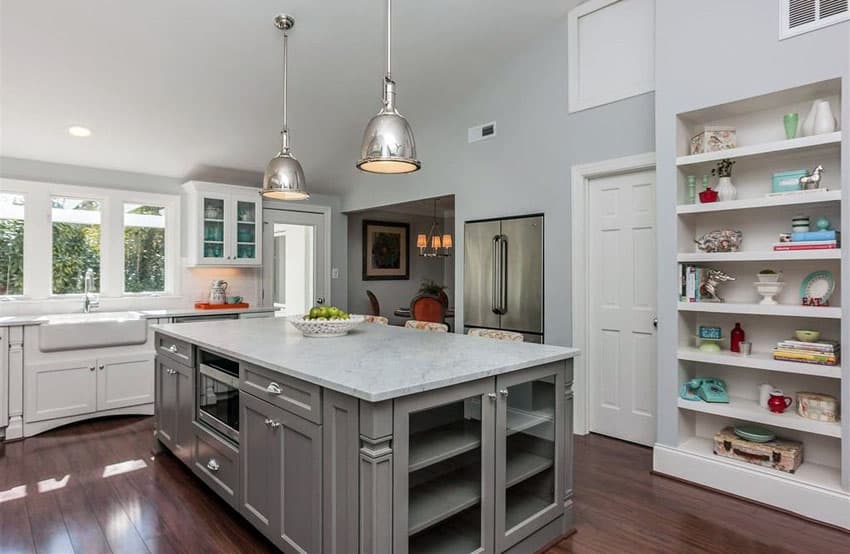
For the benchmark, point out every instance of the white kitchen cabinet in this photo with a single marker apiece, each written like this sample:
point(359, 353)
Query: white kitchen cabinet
point(77, 387)
point(4, 377)
point(224, 226)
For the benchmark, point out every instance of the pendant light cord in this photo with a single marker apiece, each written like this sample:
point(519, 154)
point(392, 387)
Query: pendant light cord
point(389, 38)
point(284, 134)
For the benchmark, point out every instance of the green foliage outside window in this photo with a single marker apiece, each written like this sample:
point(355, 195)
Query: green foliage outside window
point(11, 256)
point(76, 248)
point(144, 255)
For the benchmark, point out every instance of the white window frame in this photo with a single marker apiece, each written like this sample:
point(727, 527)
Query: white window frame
point(575, 103)
point(786, 32)
point(38, 236)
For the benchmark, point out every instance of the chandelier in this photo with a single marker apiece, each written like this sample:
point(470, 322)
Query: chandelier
point(434, 244)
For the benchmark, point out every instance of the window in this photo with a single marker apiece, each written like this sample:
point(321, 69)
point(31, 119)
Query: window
point(144, 248)
point(76, 243)
point(11, 244)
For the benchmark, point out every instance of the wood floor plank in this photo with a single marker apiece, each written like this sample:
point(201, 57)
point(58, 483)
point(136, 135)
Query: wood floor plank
point(49, 533)
point(15, 531)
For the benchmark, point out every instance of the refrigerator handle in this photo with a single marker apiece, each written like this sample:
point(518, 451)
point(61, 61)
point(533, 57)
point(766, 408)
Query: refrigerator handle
point(496, 276)
point(503, 280)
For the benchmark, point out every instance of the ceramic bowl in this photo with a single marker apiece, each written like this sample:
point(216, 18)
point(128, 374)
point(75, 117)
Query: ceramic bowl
point(807, 335)
point(325, 328)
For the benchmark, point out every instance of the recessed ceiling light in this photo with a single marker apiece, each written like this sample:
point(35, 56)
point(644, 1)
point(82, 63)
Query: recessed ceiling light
point(79, 131)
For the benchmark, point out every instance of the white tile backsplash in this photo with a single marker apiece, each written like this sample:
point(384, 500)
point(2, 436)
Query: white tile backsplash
point(244, 282)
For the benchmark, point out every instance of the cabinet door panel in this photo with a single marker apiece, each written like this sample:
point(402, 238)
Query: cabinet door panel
point(300, 443)
point(214, 233)
point(259, 464)
point(124, 381)
point(166, 402)
point(246, 229)
point(185, 413)
point(529, 452)
point(60, 389)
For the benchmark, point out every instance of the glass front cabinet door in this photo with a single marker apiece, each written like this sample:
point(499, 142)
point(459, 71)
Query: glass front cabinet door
point(246, 229)
point(214, 233)
point(227, 223)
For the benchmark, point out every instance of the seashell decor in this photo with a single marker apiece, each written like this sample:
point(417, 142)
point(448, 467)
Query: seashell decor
point(723, 240)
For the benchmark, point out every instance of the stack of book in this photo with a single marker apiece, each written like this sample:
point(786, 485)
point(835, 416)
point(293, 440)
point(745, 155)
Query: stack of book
point(690, 279)
point(813, 240)
point(822, 352)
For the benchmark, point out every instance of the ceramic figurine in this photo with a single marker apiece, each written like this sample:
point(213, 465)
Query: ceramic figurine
point(724, 240)
point(822, 223)
point(824, 120)
point(708, 289)
point(812, 180)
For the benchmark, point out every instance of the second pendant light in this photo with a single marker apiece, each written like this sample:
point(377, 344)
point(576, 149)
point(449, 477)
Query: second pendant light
point(388, 145)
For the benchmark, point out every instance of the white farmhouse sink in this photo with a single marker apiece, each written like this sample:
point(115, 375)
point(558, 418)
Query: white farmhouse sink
point(91, 330)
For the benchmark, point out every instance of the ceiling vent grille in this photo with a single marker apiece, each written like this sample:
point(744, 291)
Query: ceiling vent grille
point(482, 132)
point(802, 16)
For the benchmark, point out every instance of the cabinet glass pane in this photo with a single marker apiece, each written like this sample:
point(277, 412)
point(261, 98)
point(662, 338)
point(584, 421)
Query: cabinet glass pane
point(213, 228)
point(530, 463)
point(246, 251)
point(246, 211)
point(444, 502)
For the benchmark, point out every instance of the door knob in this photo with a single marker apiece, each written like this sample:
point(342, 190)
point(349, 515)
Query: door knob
point(655, 322)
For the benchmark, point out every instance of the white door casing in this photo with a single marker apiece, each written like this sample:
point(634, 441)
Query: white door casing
point(583, 178)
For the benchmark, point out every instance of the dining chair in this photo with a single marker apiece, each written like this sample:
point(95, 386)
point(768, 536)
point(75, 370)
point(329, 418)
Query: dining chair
point(497, 334)
point(426, 326)
point(374, 307)
point(426, 307)
point(376, 319)
point(444, 298)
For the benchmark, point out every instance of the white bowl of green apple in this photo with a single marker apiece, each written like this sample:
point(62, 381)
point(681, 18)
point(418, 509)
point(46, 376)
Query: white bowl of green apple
point(325, 322)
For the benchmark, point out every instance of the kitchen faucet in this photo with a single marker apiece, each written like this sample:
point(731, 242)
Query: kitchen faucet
point(90, 299)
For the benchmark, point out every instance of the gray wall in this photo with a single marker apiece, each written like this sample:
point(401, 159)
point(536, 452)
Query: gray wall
point(32, 170)
point(526, 168)
point(745, 59)
point(392, 294)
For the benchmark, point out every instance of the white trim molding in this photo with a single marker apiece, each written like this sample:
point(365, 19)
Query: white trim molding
point(581, 177)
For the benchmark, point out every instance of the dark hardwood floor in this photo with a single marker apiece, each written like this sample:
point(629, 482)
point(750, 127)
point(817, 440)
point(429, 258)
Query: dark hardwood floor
point(94, 487)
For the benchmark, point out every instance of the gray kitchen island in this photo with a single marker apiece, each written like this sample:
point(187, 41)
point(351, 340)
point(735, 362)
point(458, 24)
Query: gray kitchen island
point(385, 440)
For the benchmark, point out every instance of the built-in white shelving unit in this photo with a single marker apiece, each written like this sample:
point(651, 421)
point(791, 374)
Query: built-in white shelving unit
point(820, 488)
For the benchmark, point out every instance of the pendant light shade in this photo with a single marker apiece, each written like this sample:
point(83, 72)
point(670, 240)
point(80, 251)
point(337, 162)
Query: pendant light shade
point(388, 145)
point(284, 177)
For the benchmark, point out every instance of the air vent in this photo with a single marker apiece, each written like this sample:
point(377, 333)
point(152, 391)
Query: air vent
point(482, 132)
point(802, 16)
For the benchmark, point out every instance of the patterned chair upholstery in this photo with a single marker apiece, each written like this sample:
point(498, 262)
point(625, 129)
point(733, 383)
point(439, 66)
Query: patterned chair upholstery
point(376, 319)
point(426, 326)
point(497, 334)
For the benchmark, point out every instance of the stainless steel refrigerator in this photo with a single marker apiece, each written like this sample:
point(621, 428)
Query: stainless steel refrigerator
point(503, 275)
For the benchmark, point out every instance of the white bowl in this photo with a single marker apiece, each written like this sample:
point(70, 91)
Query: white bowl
point(319, 328)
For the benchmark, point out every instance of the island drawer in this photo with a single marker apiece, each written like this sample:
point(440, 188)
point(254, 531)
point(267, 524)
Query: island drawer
point(216, 463)
point(293, 395)
point(175, 349)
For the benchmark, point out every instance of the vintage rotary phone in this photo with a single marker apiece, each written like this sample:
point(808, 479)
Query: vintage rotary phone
point(708, 389)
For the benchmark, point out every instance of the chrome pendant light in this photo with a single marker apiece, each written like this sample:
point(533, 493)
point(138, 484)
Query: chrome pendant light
point(284, 177)
point(388, 145)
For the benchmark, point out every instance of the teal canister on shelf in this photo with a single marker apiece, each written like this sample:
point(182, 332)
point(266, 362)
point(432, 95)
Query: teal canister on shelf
point(788, 181)
point(692, 189)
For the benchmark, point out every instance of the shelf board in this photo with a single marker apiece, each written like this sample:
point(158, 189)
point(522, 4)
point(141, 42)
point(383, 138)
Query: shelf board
point(749, 410)
point(208, 220)
point(760, 202)
point(767, 148)
point(761, 256)
point(524, 465)
point(787, 310)
point(758, 360)
point(521, 420)
point(448, 539)
point(438, 444)
point(441, 498)
point(519, 507)
point(810, 473)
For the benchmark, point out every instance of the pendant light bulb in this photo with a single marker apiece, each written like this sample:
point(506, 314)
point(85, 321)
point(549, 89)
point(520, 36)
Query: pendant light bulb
point(284, 176)
point(388, 145)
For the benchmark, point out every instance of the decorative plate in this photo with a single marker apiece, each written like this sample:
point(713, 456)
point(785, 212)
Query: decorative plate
point(818, 284)
point(325, 328)
point(754, 433)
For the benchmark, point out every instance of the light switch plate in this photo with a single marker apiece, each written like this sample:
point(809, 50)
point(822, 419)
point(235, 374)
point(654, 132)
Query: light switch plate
point(335, 273)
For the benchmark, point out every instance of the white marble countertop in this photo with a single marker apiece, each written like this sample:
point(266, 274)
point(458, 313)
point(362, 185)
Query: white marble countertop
point(38, 319)
point(374, 362)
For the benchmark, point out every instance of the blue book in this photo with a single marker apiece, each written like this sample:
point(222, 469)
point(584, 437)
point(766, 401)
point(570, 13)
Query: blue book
point(814, 235)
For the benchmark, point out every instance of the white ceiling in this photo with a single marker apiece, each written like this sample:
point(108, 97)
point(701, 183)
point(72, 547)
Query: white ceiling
point(181, 88)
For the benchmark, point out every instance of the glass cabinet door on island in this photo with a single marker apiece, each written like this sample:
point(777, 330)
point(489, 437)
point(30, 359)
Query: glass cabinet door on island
point(443, 475)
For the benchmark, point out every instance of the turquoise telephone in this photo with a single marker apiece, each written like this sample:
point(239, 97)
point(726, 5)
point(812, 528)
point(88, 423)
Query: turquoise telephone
point(708, 389)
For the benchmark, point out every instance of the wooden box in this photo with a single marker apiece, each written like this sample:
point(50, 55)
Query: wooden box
point(819, 407)
point(783, 455)
point(713, 139)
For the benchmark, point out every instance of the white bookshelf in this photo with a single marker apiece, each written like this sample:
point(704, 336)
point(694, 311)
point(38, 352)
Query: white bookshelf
point(818, 489)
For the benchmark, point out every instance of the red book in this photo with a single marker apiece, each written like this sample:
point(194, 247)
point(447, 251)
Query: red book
point(791, 246)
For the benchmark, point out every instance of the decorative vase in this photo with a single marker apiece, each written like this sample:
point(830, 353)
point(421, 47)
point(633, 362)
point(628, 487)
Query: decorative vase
point(726, 191)
point(768, 291)
point(824, 120)
point(791, 120)
point(807, 129)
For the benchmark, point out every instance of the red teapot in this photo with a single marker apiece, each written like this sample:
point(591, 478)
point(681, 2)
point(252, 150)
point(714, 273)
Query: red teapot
point(778, 402)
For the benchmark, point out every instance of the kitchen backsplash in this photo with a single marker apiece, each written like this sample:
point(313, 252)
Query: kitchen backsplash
point(244, 282)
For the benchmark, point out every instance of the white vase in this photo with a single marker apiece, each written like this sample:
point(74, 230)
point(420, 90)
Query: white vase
point(726, 191)
point(807, 128)
point(824, 120)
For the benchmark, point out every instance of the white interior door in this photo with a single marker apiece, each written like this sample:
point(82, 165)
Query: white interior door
point(621, 306)
point(295, 260)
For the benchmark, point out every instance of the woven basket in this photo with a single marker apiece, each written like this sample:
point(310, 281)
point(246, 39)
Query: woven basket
point(319, 328)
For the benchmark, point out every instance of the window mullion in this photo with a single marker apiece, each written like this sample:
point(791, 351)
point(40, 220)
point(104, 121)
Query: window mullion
point(112, 248)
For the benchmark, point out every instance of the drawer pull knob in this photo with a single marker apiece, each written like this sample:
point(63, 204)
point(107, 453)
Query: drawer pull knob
point(504, 392)
point(171, 371)
point(274, 388)
point(212, 465)
point(91, 368)
point(491, 395)
point(173, 348)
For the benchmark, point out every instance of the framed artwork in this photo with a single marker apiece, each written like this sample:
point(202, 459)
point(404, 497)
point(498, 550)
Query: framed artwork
point(386, 251)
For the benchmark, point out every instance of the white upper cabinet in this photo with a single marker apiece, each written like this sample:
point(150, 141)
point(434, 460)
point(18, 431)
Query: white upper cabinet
point(223, 225)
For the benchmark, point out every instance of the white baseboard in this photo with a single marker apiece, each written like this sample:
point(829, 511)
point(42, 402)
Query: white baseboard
point(808, 500)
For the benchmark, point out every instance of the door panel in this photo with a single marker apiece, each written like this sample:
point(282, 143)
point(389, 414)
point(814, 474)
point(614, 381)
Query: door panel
point(300, 484)
point(60, 389)
point(246, 229)
point(166, 401)
point(184, 443)
point(522, 247)
point(622, 343)
point(124, 381)
point(478, 274)
point(296, 269)
point(259, 464)
point(214, 232)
